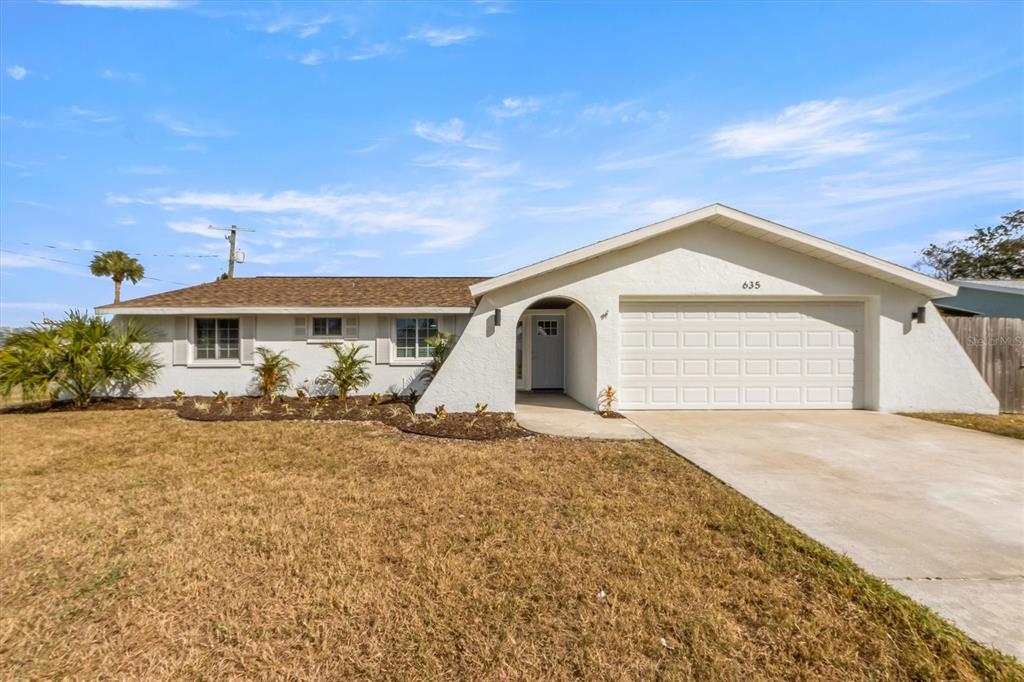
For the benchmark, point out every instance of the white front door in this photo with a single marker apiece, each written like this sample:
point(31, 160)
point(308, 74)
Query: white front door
point(741, 355)
point(547, 353)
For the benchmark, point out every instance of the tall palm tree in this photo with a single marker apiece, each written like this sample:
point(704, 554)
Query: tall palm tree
point(118, 266)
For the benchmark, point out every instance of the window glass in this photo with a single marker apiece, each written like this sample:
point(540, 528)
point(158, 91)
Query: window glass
point(547, 327)
point(217, 339)
point(411, 336)
point(326, 326)
point(206, 339)
point(405, 333)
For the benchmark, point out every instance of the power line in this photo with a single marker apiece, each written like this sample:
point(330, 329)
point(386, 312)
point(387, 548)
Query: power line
point(83, 265)
point(147, 255)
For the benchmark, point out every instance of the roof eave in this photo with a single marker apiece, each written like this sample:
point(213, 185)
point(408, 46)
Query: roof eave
point(282, 310)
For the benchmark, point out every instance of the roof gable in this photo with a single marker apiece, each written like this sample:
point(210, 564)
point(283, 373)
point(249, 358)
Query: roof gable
point(743, 223)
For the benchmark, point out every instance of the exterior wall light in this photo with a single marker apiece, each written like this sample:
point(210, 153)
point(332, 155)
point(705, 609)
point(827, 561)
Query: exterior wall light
point(919, 314)
point(497, 317)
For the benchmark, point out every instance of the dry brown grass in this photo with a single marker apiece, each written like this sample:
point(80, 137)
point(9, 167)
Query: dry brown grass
point(138, 545)
point(1011, 425)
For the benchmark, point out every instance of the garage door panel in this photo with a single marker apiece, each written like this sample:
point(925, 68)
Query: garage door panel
point(757, 355)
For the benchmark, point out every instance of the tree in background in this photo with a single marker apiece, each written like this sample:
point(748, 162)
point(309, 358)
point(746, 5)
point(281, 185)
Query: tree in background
point(118, 266)
point(78, 357)
point(995, 252)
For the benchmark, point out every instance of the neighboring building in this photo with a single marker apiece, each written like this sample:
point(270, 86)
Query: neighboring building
point(985, 298)
point(714, 309)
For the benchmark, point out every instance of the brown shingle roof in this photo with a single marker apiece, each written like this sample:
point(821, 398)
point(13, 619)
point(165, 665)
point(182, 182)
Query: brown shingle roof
point(315, 292)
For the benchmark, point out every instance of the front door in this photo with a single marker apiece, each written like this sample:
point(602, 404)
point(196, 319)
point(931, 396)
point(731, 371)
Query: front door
point(547, 352)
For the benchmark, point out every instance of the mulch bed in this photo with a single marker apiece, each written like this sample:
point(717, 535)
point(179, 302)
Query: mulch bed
point(611, 415)
point(397, 413)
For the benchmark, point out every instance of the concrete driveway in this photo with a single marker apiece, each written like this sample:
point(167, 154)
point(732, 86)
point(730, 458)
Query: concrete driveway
point(935, 510)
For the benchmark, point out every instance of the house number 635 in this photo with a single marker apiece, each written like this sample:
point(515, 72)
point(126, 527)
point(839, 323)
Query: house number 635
point(752, 284)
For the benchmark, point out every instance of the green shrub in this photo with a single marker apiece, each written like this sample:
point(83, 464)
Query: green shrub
point(348, 371)
point(81, 356)
point(273, 371)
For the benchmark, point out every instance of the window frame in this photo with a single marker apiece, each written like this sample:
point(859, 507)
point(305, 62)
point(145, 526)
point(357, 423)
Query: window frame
point(417, 358)
point(219, 358)
point(313, 337)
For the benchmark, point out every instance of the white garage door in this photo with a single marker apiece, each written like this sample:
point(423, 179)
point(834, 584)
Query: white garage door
point(741, 356)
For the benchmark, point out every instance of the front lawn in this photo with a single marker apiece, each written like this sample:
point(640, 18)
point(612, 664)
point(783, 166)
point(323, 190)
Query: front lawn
point(1011, 425)
point(139, 545)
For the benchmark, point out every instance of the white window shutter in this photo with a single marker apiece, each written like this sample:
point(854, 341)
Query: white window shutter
point(350, 328)
point(179, 345)
point(299, 328)
point(247, 334)
point(383, 340)
point(446, 324)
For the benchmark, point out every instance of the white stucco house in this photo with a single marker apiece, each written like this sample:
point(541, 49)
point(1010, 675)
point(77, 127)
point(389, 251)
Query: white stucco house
point(714, 309)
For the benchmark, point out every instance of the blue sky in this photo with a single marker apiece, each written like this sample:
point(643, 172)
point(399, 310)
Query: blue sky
point(470, 139)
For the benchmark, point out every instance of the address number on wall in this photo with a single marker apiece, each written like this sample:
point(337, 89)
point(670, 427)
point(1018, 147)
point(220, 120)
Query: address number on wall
point(752, 284)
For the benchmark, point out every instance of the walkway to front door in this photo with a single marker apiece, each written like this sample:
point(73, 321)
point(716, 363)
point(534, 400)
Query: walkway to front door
point(556, 414)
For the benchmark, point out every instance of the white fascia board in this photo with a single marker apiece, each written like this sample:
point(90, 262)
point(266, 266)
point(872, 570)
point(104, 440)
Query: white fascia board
point(883, 269)
point(283, 311)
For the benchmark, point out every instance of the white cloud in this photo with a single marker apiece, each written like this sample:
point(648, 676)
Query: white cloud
point(928, 183)
point(112, 75)
point(369, 52)
point(443, 37)
point(494, 6)
point(17, 72)
point(128, 4)
point(628, 111)
point(199, 226)
point(359, 253)
point(91, 115)
point(313, 58)
point(451, 132)
point(443, 217)
point(516, 106)
point(616, 163)
point(301, 27)
point(179, 127)
point(810, 132)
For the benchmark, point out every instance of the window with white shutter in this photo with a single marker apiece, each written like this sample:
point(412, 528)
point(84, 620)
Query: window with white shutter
point(335, 328)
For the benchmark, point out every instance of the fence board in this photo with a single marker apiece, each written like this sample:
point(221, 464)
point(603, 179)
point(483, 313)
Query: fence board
point(996, 347)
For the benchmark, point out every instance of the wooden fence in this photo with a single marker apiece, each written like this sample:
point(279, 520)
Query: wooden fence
point(996, 347)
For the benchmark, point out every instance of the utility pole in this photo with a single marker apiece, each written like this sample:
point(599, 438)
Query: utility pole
point(233, 231)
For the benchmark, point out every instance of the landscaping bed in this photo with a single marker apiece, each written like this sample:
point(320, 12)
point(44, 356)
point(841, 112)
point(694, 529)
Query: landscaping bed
point(396, 412)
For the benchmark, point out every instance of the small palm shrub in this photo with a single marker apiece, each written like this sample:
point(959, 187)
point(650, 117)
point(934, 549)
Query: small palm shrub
point(80, 356)
point(220, 397)
point(441, 347)
point(374, 398)
point(179, 397)
point(348, 372)
point(481, 409)
point(273, 371)
point(606, 398)
point(440, 412)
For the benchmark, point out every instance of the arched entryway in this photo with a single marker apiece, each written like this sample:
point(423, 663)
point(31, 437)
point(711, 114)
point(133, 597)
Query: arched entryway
point(556, 350)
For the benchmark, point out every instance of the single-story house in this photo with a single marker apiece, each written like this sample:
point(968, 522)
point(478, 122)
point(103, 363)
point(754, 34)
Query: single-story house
point(985, 298)
point(713, 309)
